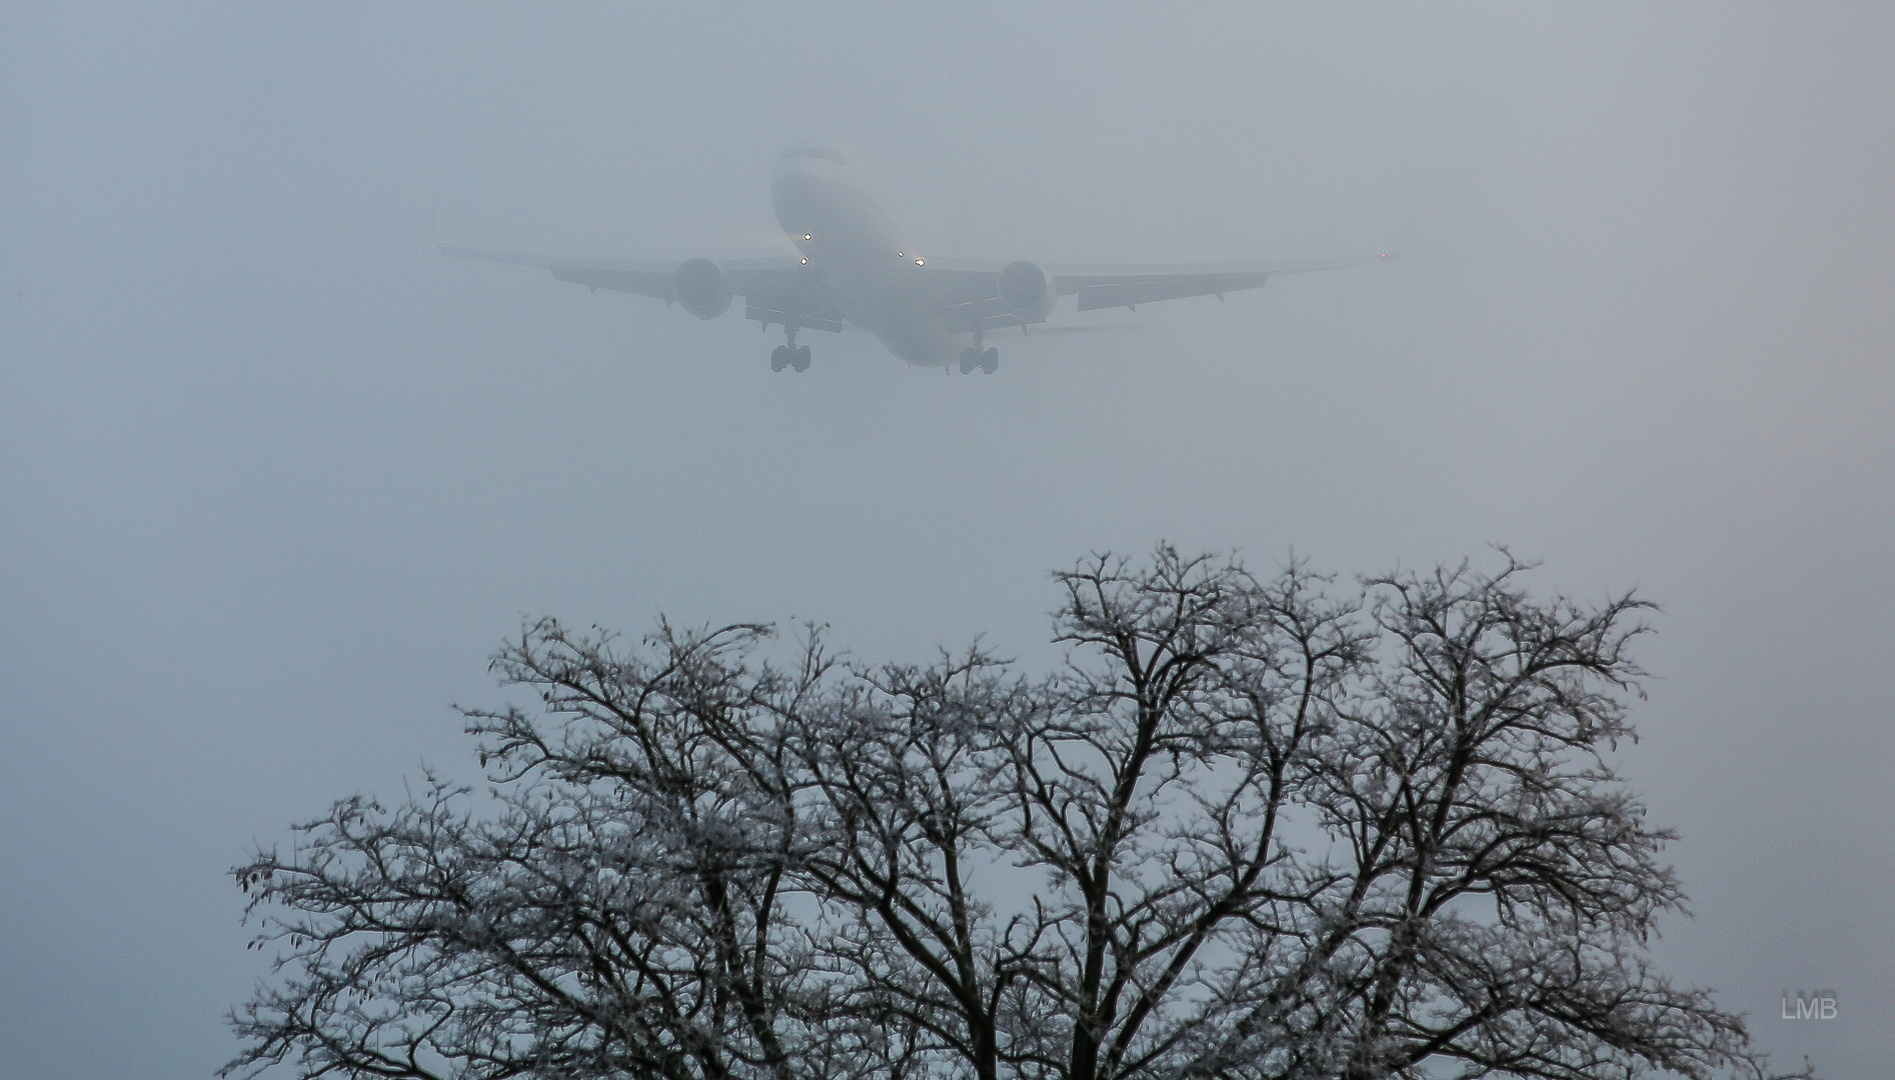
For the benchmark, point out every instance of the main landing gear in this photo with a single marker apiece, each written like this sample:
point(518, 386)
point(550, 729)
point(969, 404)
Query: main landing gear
point(790, 355)
point(783, 356)
point(988, 360)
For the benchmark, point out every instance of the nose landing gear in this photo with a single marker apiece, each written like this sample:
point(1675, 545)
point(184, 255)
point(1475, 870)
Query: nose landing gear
point(987, 360)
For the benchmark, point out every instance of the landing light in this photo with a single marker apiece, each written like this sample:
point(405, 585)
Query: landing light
point(805, 262)
point(807, 236)
point(918, 262)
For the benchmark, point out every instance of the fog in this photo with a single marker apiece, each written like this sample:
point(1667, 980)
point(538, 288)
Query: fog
point(275, 478)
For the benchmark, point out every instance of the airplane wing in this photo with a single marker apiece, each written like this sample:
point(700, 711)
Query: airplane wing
point(1127, 287)
point(783, 290)
point(974, 299)
point(774, 290)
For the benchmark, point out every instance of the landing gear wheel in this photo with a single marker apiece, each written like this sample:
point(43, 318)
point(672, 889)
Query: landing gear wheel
point(799, 358)
point(779, 358)
point(970, 359)
point(990, 361)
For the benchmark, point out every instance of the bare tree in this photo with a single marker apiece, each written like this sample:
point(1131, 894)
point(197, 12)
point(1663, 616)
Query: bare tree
point(1251, 830)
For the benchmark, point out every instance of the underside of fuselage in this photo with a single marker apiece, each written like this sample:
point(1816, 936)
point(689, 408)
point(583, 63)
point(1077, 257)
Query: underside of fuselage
point(860, 260)
point(917, 346)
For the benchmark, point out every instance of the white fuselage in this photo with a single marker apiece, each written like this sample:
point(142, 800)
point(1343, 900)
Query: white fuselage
point(860, 260)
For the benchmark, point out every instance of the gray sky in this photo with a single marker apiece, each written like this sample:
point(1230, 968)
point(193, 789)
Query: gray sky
point(274, 479)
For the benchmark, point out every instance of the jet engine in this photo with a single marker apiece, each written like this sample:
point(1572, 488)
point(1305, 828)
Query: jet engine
point(702, 287)
point(1027, 291)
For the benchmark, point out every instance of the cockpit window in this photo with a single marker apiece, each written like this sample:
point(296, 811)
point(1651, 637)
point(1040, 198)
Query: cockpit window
point(815, 152)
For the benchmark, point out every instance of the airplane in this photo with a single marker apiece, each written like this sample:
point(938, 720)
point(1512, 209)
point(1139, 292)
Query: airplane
point(853, 265)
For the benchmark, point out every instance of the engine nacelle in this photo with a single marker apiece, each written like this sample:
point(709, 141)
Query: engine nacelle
point(1027, 291)
point(702, 287)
